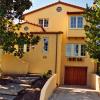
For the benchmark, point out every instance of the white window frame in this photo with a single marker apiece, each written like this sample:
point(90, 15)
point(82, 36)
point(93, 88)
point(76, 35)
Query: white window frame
point(43, 25)
point(76, 23)
point(72, 50)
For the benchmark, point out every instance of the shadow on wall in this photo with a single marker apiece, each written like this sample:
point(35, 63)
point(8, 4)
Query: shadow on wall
point(13, 65)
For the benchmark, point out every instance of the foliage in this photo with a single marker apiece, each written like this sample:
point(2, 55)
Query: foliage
point(13, 8)
point(48, 74)
point(92, 30)
point(9, 11)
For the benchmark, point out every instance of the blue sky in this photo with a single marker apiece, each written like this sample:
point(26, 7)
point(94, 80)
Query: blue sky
point(40, 3)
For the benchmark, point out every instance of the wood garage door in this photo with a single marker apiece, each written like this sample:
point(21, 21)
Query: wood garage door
point(75, 76)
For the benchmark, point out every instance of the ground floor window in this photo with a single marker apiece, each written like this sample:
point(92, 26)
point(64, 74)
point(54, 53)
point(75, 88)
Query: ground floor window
point(45, 44)
point(24, 48)
point(20, 48)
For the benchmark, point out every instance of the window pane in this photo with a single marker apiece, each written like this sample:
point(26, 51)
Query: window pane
point(41, 22)
point(80, 22)
point(82, 50)
point(45, 23)
point(73, 22)
point(76, 49)
point(45, 47)
point(68, 50)
point(20, 48)
point(28, 48)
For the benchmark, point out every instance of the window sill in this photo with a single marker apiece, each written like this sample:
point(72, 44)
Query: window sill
point(75, 56)
point(76, 28)
point(44, 27)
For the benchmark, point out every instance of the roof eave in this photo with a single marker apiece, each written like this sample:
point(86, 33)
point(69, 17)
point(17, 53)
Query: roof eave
point(59, 32)
point(71, 13)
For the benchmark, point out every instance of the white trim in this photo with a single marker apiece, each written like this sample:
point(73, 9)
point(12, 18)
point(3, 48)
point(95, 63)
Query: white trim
point(76, 28)
point(25, 48)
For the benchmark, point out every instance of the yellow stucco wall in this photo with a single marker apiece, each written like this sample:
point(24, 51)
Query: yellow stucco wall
point(87, 62)
point(57, 20)
point(49, 88)
point(40, 62)
point(95, 82)
point(13, 65)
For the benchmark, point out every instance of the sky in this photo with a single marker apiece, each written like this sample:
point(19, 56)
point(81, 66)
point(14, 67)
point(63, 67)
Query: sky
point(40, 3)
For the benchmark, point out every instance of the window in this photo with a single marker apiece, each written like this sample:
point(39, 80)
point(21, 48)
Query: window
point(68, 47)
point(43, 22)
point(24, 48)
point(75, 50)
point(73, 22)
point(26, 28)
point(82, 50)
point(20, 48)
point(59, 9)
point(45, 44)
point(28, 47)
point(76, 22)
point(80, 22)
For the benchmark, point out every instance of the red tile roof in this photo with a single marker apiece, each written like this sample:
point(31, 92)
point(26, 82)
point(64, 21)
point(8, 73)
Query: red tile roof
point(34, 25)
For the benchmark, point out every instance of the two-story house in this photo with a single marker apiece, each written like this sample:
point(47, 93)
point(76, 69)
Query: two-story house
point(61, 49)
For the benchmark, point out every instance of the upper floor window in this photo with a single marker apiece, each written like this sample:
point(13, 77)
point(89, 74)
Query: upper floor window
point(75, 50)
point(43, 22)
point(73, 22)
point(45, 44)
point(26, 28)
point(59, 9)
point(80, 22)
point(76, 22)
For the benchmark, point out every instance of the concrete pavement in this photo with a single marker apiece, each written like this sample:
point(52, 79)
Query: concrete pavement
point(68, 93)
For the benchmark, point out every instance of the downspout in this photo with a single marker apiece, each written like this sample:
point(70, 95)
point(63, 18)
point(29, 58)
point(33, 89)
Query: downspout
point(56, 53)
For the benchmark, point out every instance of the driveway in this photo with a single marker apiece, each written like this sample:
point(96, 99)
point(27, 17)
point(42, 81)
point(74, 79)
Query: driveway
point(67, 93)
